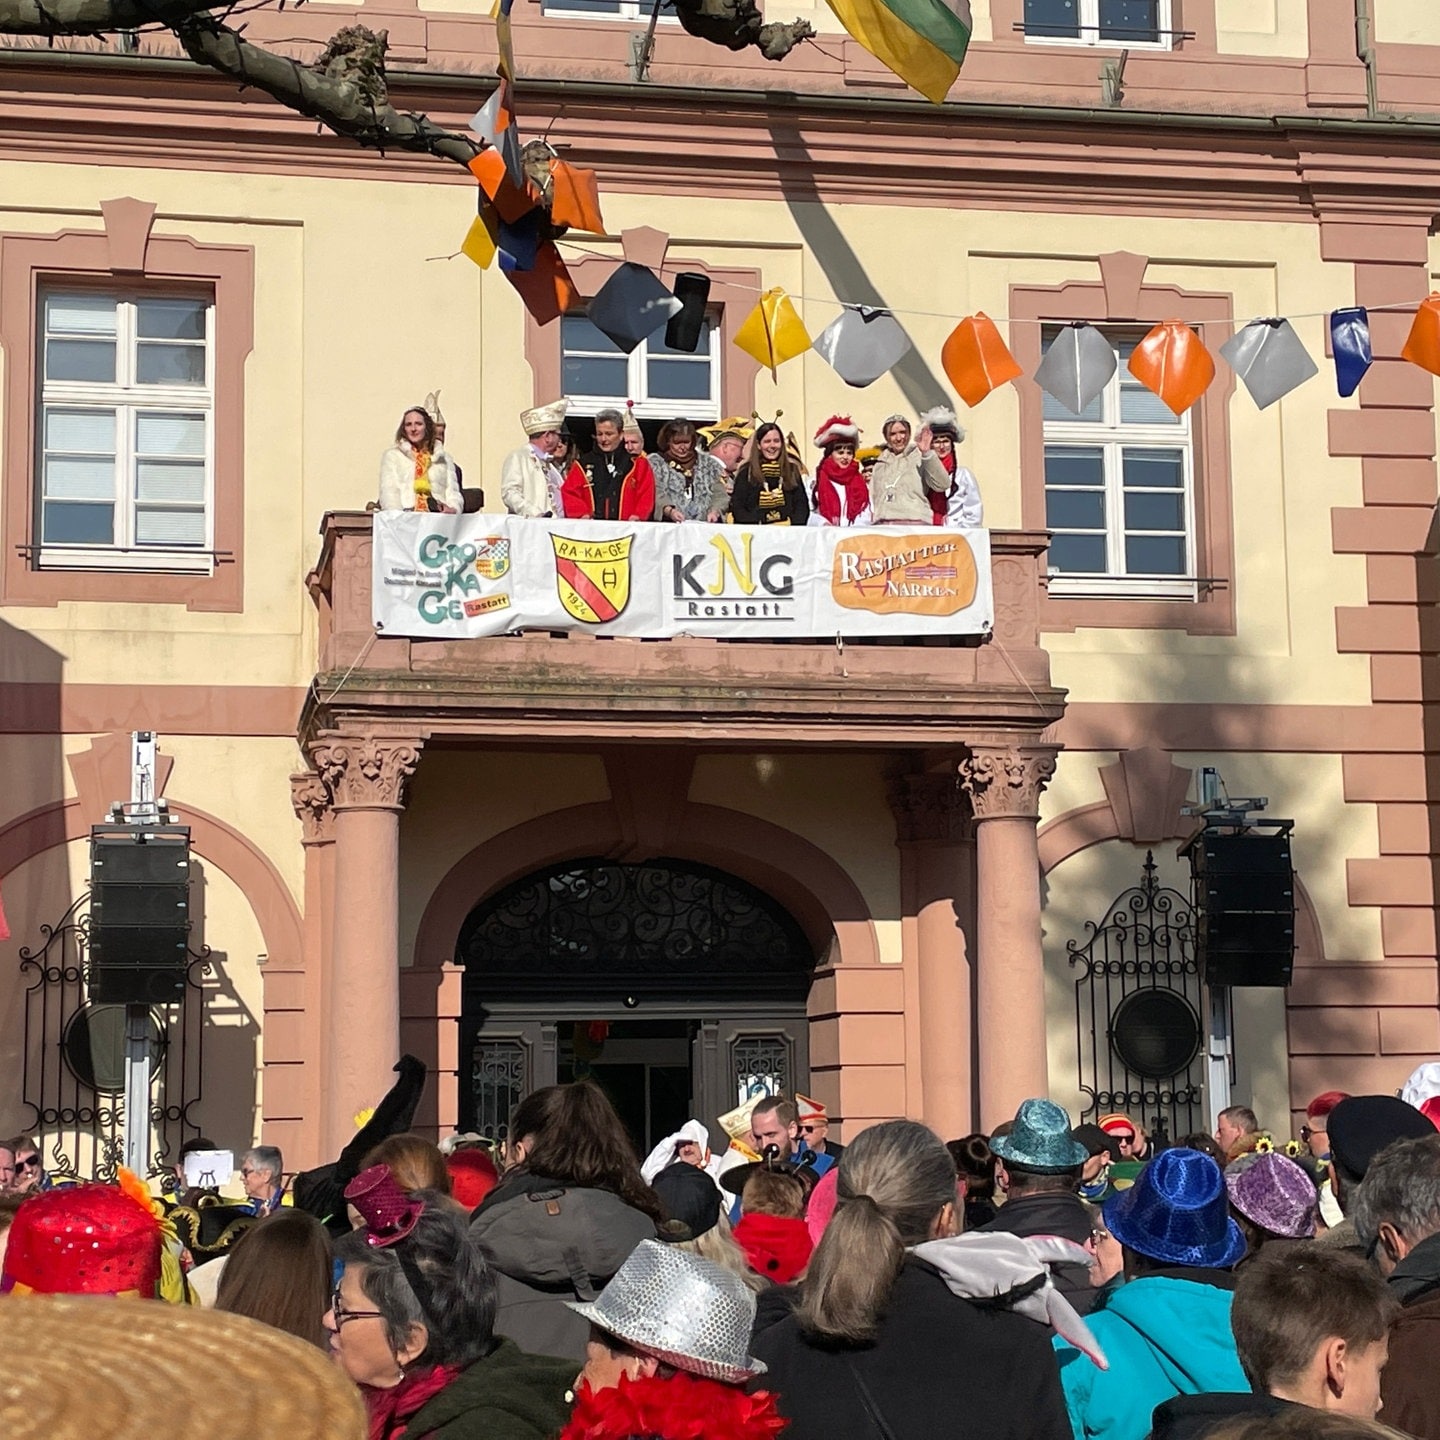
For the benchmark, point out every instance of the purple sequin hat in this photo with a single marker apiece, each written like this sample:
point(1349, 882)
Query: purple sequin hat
point(389, 1213)
point(1277, 1195)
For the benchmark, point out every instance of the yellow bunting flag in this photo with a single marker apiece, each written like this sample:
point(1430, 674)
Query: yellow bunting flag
point(773, 332)
point(479, 242)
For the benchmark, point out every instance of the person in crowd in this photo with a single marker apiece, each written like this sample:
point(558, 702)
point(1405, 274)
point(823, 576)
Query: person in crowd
point(415, 472)
point(1315, 1136)
point(772, 1230)
point(769, 487)
point(727, 442)
point(262, 1172)
point(1274, 1202)
point(321, 1191)
point(975, 1164)
point(1040, 1164)
point(841, 493)
point(415, 1163)
point(1233, 1127)
point(695, 1220)
point(959, 506)
point(568, 1145)
point(1311, 1329)
point(689, 485)
point(174, 1183)
point(905, 476)
point(1360, 1127)
point(631, 433)
point(1397, 1220)
point(31, 1177)
point(776, 1121)
point(1298, 1423)
point(531, 483)
point(814, 1124)
point(878, 1343)
point(621, 485)
point(1103, 1151)
point(690, 1143)
point(473, 1175)
point(473, 500)
point(1205, 1143)
point(1124, 1131)
point(668, 1355)
point(412, 1323)
point(279, 1273)
point(1166, 1331)
point(1108, 1271)
point(7, 1169)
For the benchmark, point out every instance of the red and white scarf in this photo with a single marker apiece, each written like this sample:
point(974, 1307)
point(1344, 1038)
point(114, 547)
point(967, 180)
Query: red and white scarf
point(830, 479)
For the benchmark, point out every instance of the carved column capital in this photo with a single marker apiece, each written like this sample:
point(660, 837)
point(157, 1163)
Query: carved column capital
point(366, 773)
point(1006, 780)
point(310, 796)
point(929, 809)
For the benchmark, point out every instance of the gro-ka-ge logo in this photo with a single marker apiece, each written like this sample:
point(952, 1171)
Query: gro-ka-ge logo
point(730, 585)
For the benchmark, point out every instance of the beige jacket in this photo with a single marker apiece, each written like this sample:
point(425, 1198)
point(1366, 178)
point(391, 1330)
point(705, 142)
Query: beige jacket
point(899, 485)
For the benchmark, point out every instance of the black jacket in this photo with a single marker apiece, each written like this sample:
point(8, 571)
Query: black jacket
point(506, 1396)
point(939, 1366)
point(1190, 1417)
point(1054, 1212)
point(745, 507)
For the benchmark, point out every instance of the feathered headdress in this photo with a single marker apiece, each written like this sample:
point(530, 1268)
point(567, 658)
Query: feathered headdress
point(941, 421)
point(837, 427)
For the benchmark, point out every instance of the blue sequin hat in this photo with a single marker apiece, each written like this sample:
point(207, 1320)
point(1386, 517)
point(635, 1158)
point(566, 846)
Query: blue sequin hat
point(1177, 1211)
point(1041, 1140)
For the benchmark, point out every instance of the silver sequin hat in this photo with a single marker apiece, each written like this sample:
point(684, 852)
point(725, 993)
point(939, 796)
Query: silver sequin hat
point(682, 1309)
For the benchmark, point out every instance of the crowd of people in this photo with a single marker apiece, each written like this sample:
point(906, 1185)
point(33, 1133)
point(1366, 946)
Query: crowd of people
point(738, 471)
point(1045, 1281)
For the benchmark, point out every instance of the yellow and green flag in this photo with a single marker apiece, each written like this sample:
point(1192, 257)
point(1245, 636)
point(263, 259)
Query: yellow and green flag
point(922, 41)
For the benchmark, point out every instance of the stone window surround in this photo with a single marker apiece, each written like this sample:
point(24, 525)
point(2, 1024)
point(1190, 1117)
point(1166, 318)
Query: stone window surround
point(126, 251)
point(1122, 297)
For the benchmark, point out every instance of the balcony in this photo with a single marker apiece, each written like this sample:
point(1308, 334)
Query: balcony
point(558, 687)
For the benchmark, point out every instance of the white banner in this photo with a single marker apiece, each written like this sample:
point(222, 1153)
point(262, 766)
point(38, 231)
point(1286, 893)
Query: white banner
point(456, 576)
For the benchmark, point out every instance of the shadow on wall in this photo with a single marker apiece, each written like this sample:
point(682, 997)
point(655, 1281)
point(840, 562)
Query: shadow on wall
point(34, 873)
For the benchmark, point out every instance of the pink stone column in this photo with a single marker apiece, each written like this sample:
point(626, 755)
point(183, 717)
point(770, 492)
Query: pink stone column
point(937, 864)
point(1004, 785)
point(362, 1022)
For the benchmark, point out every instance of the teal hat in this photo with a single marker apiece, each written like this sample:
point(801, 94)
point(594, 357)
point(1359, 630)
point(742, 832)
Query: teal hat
point(1041, 1140)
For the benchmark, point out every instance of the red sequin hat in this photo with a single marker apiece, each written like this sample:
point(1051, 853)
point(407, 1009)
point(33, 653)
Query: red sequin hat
point(83, 1240)
point(389, 1213)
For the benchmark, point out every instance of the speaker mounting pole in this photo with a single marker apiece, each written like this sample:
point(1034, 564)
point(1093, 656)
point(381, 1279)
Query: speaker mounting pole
point(144, 809)
point(1245, 911)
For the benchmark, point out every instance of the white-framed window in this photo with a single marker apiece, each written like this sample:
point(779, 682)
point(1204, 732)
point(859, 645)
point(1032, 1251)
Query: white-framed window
point(605, 10)
point(1125, 24)
point(1120, 490)
point(664, 383)
point(124, 428)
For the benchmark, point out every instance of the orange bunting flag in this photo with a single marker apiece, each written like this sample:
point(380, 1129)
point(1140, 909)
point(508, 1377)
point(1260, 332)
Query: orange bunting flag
point(575, 198)
point(773, 332)
point(512, 201)
point(1173, 362)
point(546, 288)
point(976, 358)
point(1422, 345)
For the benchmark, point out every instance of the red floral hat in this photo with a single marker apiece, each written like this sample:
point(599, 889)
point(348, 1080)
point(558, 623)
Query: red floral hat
point(83, 1240)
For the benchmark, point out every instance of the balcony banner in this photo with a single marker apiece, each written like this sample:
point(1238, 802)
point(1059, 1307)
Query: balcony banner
point(452, 577)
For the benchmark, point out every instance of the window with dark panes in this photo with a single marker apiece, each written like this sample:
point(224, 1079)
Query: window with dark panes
point(1119, 490)
point(597, 375)
point(1099, 22)
point(124, 444)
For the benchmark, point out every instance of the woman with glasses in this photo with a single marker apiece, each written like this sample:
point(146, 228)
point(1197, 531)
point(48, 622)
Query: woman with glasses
point(30, 1175)
point(412, 1323)
point(689, 484)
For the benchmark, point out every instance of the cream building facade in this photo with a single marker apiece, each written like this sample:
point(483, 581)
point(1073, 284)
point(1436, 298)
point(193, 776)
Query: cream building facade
point(360, 804)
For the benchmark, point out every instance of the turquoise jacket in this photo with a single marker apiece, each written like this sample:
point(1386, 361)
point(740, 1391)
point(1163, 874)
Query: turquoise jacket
point(1163, 1336)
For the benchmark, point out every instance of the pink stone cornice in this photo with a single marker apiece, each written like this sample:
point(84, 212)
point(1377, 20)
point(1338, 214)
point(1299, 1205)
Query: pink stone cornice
point(1006, 780)
point(929, 808)
point(365, 772)
point(310, 796)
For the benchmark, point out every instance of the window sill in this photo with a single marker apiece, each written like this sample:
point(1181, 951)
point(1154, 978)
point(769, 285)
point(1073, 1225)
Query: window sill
point(127, 562)
point(1123, 588)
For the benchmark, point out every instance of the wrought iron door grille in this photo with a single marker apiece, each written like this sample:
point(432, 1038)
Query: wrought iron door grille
point(76, 1110)
point(1138, 1002)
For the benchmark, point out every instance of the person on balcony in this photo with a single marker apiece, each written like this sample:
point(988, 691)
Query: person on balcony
point(905, 476)
point(959, 507)
point(842, 493)
point(621, 485)
point(531, 480)
point(415, 472)
point(689, 485)
point(633, 435)
point(769, 488)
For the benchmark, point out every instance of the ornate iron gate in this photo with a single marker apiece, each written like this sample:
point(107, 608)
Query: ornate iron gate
point(74, 1083)
point(1138, 1003)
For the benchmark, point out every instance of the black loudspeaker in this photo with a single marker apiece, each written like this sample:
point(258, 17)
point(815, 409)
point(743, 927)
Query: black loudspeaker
point(683, 331)
point(1245, 908)
point(139, 914)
